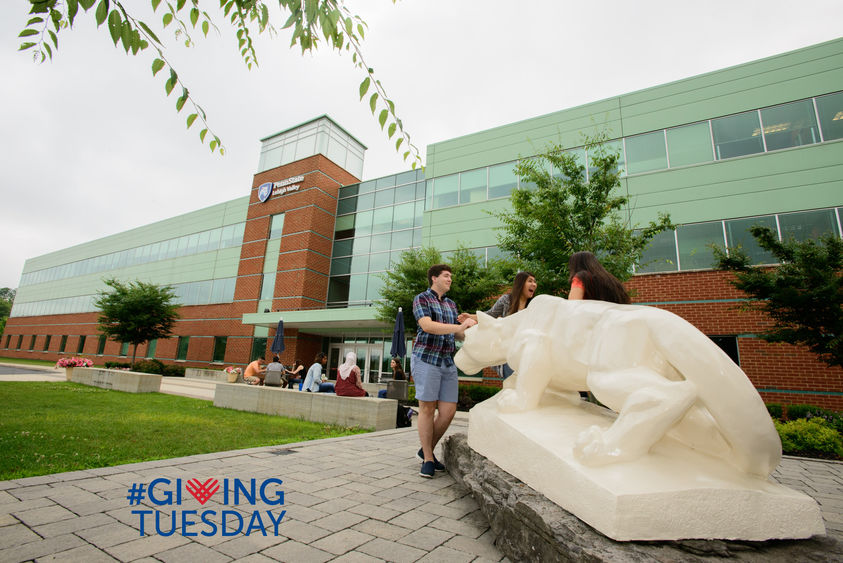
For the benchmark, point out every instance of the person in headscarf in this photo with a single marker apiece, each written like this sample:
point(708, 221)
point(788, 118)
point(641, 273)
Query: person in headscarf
point(349, 382)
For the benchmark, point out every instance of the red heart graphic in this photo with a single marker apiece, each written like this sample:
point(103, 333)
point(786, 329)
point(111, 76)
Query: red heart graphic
point(202, 491)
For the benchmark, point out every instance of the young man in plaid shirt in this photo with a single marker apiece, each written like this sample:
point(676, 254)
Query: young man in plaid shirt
point(432, 363)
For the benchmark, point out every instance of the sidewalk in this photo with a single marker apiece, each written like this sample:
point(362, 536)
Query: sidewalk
point(356, 498)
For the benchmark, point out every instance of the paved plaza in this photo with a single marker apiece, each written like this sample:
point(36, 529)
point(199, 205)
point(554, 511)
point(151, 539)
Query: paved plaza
point(356, 498)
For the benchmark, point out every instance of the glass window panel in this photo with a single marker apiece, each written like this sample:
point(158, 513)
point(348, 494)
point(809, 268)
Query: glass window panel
point(380, 242)
point(357, 288)
point(445, 191)
point(363, 223)
point(737, 234)
point(830, 109)
point(268, 286)
point(646, 152)
point(124, 348)
point(417, 237)
point(340, 266)
point(62, 344)
point(344, 223)
point(403, 217)
point(373, 289)
point(404, 177)
point(502, 180)
point(362, 245)
point(736, 135)
point(204, 237)
point(46, 342)
point(218, 291)
point(428, 198)
point(808, 224)
point(343, 247)
point(258, 349)
point(225, 236)
point(473, 186)
point(277, 226)
point(338, 290)
point(694, 252)
point(101, 345)
point(192, 243)
point(402, 240)
point(204, 293)
point(405, 193)
point(790, 125)
point(366, 187)
point(418, 216)
point(527, 185)
point(421, 190)
point(237, 237)
point(385, 182)
point(184, 344)
point(378, 262)
point(384, 197)
point(348, 191)
point(365, 201)
point(382, 220)
point(360, 264)
point(347, 205)
point(609, 147)
point(213, 240)
point(219, 349)
point(690, 144)
point(151, 348)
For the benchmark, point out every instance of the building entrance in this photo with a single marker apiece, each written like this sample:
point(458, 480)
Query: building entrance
point(369, 359)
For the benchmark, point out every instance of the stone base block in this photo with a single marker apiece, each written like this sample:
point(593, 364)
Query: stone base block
point(530, 527)
point(118, 380)
point(671, 493)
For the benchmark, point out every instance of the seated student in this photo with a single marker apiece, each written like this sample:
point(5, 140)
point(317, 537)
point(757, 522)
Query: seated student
point(348, 378)
point(275, 367)
point(294, 376)
point(314, 382)
point(255, 372)
point(397, 375)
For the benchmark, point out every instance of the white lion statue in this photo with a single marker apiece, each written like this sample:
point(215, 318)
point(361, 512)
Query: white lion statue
point(655, 370)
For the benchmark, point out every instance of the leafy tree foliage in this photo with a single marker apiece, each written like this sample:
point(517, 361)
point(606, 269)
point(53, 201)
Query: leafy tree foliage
point(136, 312)
point(562, 212)
point(309, 21)
point(803, 296)
point(475, 286)
point(7, 297)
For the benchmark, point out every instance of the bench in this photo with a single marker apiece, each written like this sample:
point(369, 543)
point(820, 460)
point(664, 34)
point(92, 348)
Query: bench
point(118, 380)
point(217, 375)
point(363, 412)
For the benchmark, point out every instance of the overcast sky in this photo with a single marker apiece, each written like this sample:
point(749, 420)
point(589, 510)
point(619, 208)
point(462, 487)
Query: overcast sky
point(90, 145)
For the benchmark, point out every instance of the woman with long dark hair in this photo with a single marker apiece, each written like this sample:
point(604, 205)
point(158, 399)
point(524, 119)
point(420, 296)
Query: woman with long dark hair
point(590, 280)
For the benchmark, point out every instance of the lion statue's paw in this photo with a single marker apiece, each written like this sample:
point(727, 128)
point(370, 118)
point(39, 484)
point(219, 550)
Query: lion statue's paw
point(591, 447)
point(510, 400)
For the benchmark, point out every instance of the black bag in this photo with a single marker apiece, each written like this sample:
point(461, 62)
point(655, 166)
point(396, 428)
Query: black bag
point(403, 417)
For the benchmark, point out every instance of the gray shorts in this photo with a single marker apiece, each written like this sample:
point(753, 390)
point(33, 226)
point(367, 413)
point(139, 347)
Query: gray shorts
point(435, 383)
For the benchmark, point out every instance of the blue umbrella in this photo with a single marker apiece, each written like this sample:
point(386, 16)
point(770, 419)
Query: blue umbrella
point(278, 342)
point(399, 344)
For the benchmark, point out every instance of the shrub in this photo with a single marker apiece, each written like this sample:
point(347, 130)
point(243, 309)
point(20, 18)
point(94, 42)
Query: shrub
point(173, 371)
point(775, 410)
point(808, 412)
point(149, 366)
point(810, 438)
point(117, 365)
point(470, 395)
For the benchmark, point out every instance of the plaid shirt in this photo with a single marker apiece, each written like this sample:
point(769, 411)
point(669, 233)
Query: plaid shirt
point(435, 349)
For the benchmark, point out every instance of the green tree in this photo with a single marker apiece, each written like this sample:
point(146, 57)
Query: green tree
point(803, 296)
point(475, 284)
point(309, 21)
point(561, 212)
point(7, 298)
point(136, 312)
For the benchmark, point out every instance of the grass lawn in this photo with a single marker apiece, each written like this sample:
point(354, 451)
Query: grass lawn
point(51, 427)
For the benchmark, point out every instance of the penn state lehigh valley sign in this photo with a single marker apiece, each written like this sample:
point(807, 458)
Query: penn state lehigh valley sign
point(279, 188)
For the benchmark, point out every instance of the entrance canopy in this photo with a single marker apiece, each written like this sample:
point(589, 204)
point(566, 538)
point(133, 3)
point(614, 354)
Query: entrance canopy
point(321, 321)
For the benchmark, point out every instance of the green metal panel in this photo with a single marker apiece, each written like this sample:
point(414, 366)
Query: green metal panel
point(470, 225)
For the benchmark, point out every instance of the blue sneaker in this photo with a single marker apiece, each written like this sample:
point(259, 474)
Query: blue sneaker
point(426, 470)
point(437, 465)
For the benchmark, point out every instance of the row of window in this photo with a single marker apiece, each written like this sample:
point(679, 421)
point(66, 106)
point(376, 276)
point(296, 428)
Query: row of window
point(204, 292)
point(196, 243)
point(794, 124)
point(689, 246)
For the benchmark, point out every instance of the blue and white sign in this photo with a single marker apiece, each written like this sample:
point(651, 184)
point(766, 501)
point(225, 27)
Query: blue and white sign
point(264, 191)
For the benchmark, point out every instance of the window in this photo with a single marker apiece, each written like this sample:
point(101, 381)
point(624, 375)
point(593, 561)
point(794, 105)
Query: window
point(728, 344)
point(32, 343)
point(101, 344)
point(830, 109)
point(660, 254)
point(790, 125)
point(473, 186)
point(605, 149)
point(184, 342)
point(737, 135)
point(382, 220)
point(502, 180)
point(8, 339)
point(694, 252)
point(384, 197)
point(446, 191)
point(219, 349)
point(63, 344)
point(277, 226)
point(808, 224)
point(80, 348)
point(258, 349)
point(268, 286)
point(646, 152)
point(404, 216)
point(737, 234)
point(690, 144)
point(20, 342)
point(151, 347)
point(124, 349)
point(46, 342)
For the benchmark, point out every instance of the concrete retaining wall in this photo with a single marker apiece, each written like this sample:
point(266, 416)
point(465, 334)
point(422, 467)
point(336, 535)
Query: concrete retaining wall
point(364, 412)
point(118, 380)
point(209, 375)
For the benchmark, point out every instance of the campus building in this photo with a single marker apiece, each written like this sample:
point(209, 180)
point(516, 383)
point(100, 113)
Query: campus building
point(761, 142)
